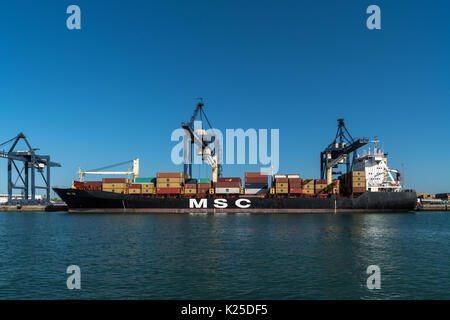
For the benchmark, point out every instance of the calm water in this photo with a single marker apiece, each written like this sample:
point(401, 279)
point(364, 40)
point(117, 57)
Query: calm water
point(234, 256)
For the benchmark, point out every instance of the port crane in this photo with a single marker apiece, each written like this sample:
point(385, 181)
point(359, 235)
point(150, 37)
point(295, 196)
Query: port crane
point(134, 171)
point(338, 152)
point(32, 162)
point(199, 137)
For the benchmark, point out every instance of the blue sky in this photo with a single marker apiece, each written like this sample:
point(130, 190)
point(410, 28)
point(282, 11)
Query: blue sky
point(117, 88)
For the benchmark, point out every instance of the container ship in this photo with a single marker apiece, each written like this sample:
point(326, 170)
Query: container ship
point(367, 186)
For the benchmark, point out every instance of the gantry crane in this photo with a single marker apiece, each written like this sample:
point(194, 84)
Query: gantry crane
point(134, 171)
point(338, 152)
point(32, 162)
point(195, 134)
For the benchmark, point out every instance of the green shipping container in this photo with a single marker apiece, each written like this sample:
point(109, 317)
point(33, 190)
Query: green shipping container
point(203, 180)
point(144, 180)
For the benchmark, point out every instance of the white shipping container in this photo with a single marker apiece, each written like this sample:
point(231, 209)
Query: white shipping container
point(277, 176)
point(256, 191)
point(293, 176)
point(228, 190)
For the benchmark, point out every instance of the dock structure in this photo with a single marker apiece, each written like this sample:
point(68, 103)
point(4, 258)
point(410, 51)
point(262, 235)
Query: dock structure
point(32, 163)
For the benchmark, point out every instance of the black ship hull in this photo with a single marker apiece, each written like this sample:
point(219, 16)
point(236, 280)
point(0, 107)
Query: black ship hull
point(100, 201)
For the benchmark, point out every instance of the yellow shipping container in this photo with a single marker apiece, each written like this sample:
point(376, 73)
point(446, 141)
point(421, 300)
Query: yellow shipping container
point(358, 173)
point(148, 190)
point(358, 184)
point(363, 179)
point(169, 180)
point(308, 191)
point(281, 185)
point(282, 190)
point(169, 185)
point(190, 191)
point(114, 185)
point(134, 191)
point(307, 182)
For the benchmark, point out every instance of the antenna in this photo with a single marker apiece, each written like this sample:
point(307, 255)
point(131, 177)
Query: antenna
point(403, 174)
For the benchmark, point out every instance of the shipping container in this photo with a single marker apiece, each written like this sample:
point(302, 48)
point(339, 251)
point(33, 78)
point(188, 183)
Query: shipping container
point(256, 180)
point(114, 185)
point(284, 180)
point(228, 190)
point(115, 180)
point(190, 181)
point(135, 186)
point(307, 191)
point(134, 191)
point(278, 176)
point(169, 180)
point(358, 173)
point(168, 190)
point(293, 176)
point(148, 190)
point(256, 185)
point(92, 183)
point(281, 185)
point(170, 175)
point(320, 181)
point(228, 184)
point(168, 185)
point(203, 180)
point(202, 190)
point(232, 179)
point(145, 180)
point(256, 190)
point(295, 190)
point(282, 190)
point(307, 182)
point(203, 185)
point(190, 191)
point(190, 185)
point(358, 190)
point(255, 175)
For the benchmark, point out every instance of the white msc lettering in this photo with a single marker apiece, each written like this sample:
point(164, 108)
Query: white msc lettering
point(193, 203)
point(220, 203)
point(243, 206)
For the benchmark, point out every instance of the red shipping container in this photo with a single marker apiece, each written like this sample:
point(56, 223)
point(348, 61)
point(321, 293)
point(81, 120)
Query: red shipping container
point(321, 181)
point(190, 185)
point(358, 190)
point(78, 184)
point(295, 190)
point(255, 175)
point(228, 184)
point(168, 190)
point(229, 180)
point(202, 191)
point(281, 180)
point(256, 180)
point(203, 185)
point(169, 175)
point(135, 186)
point(93, 183)
point(115, 180)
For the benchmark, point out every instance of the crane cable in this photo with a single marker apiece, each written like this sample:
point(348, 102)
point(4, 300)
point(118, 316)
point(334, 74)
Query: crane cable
point(111, 166)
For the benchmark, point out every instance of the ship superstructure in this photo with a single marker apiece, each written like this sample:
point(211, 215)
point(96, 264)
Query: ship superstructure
point(379, 177)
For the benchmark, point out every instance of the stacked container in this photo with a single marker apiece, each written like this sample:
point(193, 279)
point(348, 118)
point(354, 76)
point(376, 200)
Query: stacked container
point(307, 186)
point(281, 184)
point(295, 184)
point(320, 185)
point(169, 182)
point(228, 186)
point(203, 186)
point(134, 188)
point(255, 183)
point(358, 181)
point(117, 185)
point(190, 186)
point(148, 188)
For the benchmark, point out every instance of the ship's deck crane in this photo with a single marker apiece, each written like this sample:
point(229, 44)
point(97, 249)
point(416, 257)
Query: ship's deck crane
point(32, 161)
point(337, 152)
point(202, 140)
point(134, 171)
